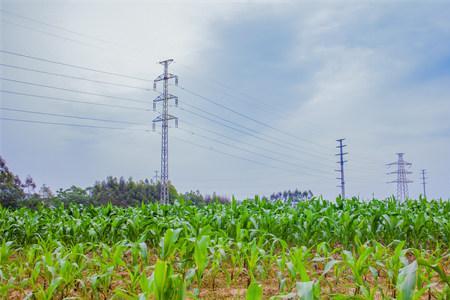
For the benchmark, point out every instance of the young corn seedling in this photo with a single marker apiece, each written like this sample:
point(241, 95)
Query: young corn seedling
point(298, 263)
point(201, 258)
point(308, 290)
point(252, 259)
point(359, 267)
point(168, 244)
point(436, 265)
point(254, 291)
point(218, 257)
point(406, 283)
point(164, 284)
point(394, 264)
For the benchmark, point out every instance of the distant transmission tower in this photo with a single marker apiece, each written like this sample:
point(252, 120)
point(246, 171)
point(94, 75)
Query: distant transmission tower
point(164, 118)
point(156, 178)
point(424, 183)
point(402, 181)
point(341, 166)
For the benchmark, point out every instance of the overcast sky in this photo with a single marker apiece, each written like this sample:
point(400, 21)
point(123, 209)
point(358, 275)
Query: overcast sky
point(375, 73)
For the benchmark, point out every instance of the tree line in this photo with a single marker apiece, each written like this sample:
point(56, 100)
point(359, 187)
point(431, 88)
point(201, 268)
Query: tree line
point(15, 193)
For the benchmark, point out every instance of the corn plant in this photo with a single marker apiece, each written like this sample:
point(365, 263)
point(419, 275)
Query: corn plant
point(254, 291)
point(407, 282)
point(165, 285)
point(344, 249)
point(201, 257)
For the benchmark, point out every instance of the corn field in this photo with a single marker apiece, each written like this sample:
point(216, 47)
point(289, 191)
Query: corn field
point(255, 249)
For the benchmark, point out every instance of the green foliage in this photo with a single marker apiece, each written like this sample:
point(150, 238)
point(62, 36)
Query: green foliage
point(121, 192)
point(168, 244)
point(305, 290)
point(254, 291)
point(201, 256)
point(75, 195)
point(407, 282)
point(10, 187)
point(345, 250)
point(164, 284)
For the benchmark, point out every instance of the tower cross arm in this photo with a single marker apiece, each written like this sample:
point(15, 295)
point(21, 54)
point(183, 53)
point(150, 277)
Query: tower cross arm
point(162, 98)
point(163, 77)
point(161, 118)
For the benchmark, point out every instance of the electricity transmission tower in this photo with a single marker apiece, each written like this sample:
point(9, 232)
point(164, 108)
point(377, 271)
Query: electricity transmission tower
point(341, 166)
point(424, 183)
point(155, 178)
point(164, 118)
point(402, 181)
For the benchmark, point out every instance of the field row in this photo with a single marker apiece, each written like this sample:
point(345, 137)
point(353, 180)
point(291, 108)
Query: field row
point(256, 249)
point(204, 268)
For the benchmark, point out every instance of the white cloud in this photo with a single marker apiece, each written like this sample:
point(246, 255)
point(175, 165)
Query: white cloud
point(357, 60)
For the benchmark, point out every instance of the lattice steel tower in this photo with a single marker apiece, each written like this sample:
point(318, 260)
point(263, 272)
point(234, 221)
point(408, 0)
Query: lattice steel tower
point(341, 166)
point(164, 118)
point(402, 181)
point(424, 183)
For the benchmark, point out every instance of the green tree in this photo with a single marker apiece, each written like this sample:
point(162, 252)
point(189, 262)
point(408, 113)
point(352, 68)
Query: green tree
point(10, 187)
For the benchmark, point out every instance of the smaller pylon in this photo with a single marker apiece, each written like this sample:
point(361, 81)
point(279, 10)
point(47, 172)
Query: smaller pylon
point(341, 166)
point(423, 171)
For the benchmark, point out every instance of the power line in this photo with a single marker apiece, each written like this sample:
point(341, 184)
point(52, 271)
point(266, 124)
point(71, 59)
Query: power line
point(73, 77)
point(51, 34)
point(65, 30)
point(233, 155)
point(140, 101)
point(64, 124)
point(238, 129)
point(102, 41)
point(110, 121)
point(52, 25)
point(142, 124)
point(61, 28)
point(255, 153)
point(285, 144)
point(209, 148)
point(272, 110)
point(71, 90)
point(68, 116)
point(253, 101)
point(73, 65)
point(116, 74)
point(253, 132)
point(134, 100)
point(369, 160)
point(241, 141)
point(134, 123)
point(116, 106)
point(132, 77)
point(316, 153)
point(72, 100)
point(279, 143)
point(295, 147)
point(249, 117)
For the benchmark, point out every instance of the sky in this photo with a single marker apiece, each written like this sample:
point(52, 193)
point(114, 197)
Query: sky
point(265, 89)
